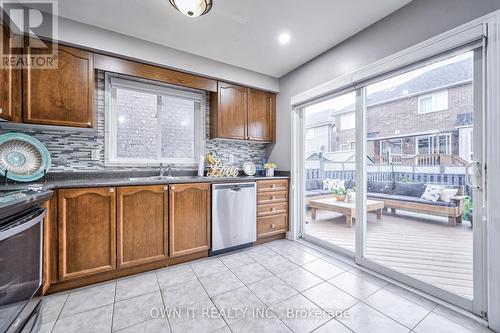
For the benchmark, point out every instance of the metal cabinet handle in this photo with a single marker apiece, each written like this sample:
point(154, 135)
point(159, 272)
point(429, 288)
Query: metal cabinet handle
point(111, 190)
point(273, 185)
point(172, 188)
point(273, 209)
point(165, 188)
point(273, 197)
point(273, 225)
point(1, 110)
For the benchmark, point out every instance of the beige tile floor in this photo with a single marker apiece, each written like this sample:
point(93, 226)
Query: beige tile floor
point(281, 286)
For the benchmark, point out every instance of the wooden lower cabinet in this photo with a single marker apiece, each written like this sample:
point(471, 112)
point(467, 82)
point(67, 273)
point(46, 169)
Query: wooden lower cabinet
point(189, 218)
point(272, 209)
point(86, 231)
point(142, 225)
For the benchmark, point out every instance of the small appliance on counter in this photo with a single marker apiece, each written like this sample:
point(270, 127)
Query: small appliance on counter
point(234, 212)
point(21, 226)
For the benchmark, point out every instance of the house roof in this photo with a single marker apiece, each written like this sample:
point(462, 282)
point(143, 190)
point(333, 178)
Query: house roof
point(453, 73)
point(319, 118)
point(443, 76)
point(450, 74)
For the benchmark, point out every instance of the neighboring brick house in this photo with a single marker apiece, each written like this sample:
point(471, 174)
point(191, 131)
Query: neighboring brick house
point(425, 120)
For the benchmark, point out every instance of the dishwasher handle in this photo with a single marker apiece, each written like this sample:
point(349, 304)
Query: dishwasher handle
point(233, 187)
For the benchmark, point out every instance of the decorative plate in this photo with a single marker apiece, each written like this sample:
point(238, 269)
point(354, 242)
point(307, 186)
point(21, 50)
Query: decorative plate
point(24, 157)
point(249, 168)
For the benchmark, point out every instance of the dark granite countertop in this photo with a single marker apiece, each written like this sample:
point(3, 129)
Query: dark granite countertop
point(102, 179)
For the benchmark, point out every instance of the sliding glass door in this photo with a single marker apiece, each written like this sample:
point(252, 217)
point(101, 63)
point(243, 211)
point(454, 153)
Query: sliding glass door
point(330, 171)
point(392, 176)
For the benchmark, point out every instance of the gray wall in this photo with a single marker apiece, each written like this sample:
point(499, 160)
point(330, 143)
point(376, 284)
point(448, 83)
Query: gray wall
point(107, 41)
point(414, 23)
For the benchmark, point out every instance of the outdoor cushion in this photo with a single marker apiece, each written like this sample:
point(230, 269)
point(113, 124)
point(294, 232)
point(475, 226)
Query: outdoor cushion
point(409, 189)
point(312, 193)
point(311, 185)
point(351, 184)
point(432, 192)
point(380, 187)
point(422, 201)
point(378, 195)
point(447, 194)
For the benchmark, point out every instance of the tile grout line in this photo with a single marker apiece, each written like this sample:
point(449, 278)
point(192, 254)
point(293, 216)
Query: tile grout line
point(163, 303)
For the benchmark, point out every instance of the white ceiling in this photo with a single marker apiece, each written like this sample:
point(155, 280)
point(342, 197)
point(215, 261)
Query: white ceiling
point(238, 32)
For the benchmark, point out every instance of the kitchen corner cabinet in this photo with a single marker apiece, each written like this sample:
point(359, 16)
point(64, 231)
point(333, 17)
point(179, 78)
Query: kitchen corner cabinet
point(86, 231)
point(10, 84)
point(241, 113)
point(62, 96)
point(189, 218)
point(142, 225)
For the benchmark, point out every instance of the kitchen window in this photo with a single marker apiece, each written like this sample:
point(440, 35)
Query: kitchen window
point(149, 124)
point(437, 101)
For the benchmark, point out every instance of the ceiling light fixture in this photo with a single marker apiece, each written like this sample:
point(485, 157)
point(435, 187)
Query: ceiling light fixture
point(192, 8)
point(284, 38)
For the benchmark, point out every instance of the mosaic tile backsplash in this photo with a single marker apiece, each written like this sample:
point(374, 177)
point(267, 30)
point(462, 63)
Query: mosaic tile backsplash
point(71, 149)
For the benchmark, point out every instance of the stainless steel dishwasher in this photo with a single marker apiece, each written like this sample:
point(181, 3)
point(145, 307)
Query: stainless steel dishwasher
point(234, 214)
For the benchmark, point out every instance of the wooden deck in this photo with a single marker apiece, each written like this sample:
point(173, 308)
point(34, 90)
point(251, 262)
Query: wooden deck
point(421, 246)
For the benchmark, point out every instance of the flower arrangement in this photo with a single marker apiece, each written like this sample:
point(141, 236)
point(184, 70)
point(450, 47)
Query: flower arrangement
point(339, 191)
point(270, 166)
point(270, 169)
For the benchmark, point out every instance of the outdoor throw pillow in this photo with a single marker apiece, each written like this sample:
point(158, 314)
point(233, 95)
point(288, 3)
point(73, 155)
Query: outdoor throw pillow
point(432, 193)
point(447, 194)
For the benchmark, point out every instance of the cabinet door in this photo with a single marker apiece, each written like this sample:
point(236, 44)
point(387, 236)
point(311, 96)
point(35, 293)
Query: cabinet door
point(49, 267)
point(189, 223)
point(142, 224)
point(231, 110)
point(62, 96)
point(10, 84)
point(261, 115)
point(86, 231)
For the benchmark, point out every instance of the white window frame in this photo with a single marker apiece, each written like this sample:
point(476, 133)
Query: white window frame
point(433, 97)
point(113, 81)
point(381, 141)
point(432, 143)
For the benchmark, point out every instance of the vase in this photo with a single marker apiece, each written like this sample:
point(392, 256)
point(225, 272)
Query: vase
point(270, 172)
point(340, 197)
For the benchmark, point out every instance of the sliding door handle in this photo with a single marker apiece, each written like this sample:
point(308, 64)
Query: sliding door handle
point(475, 167)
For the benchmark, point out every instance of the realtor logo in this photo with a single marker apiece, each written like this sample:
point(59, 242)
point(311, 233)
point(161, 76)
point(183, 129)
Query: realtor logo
point(27, 28)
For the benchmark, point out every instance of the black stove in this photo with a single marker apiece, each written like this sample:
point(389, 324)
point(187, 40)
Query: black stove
point(21, 235)
point(13, 202)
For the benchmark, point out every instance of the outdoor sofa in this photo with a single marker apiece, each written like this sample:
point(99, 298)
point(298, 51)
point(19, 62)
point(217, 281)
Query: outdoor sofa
point(399, 195)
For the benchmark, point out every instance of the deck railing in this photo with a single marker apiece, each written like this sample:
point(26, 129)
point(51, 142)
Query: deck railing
point(420, 159)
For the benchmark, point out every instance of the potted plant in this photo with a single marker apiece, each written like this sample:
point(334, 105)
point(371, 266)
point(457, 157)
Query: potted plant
point(270, 169)
point(340, 193)
point(468, 211)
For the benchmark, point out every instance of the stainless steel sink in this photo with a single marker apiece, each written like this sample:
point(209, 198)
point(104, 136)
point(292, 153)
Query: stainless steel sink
point(162, 178)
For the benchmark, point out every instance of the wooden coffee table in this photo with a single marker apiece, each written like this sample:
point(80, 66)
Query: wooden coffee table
point(345, 208)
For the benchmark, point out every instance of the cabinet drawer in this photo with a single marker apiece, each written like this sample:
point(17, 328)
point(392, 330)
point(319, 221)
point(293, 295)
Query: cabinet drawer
point(272, 185)
point(271, 197)
point(272, 209)
point(271, 225)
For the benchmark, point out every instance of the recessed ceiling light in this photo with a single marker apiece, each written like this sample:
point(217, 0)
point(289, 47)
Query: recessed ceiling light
point(284, 38)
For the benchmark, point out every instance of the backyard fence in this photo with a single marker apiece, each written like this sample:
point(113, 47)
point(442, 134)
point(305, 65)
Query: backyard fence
point(438, 174)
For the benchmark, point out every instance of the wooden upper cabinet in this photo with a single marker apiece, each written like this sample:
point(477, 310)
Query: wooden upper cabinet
point(142, 224)
point(189, 223)
point(241, 113)
point(62, 96)
point(261, 115)
point(86, 231)
point(229, 112)
point(10, 83)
